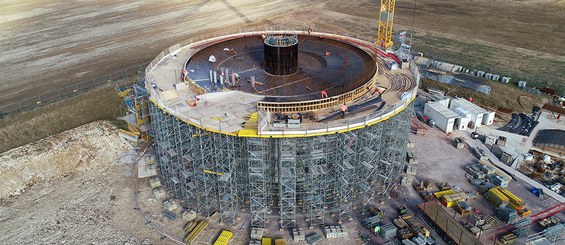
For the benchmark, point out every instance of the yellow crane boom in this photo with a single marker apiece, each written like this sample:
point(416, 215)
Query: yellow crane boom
point(386, 20)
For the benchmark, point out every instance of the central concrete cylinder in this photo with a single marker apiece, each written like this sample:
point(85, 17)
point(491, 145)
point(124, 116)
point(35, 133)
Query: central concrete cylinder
point(280, 55)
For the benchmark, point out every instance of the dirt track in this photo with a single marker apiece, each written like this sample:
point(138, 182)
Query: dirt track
point(49, 44)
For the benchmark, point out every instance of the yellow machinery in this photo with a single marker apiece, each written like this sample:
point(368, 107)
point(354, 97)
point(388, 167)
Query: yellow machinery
point(224, 238)
point(386, 18)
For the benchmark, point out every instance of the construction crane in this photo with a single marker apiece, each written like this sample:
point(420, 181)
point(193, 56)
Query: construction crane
point(386, 17)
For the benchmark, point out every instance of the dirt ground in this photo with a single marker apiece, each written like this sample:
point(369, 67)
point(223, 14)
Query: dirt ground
point(48, 44)
point(73, 187)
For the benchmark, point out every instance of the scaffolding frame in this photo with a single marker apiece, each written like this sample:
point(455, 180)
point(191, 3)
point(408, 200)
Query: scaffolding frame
point(286, 163)
point(311, 176)
point(256, 160)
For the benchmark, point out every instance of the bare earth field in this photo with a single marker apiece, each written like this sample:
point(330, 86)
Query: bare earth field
point(48, 44)
point(72, 188)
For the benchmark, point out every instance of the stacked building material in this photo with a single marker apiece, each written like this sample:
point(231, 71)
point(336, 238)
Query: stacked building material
point(498, 180)
point(507, 214)
point(313, 238)
point(266, 241)
point(280, 241)
point(440, 194)
point(514, 202)
point(496, 197)
point(335, 231)
point(189, 215)
point(388, 231)
point(408, 242)
point(463, 208)
point(194, 230)
point(522, 227)
point(371, 222)
point(411, 157)
point(508, 239)
point(452, 199)
point(411, 170)
point(298, 234)
point(475, 171)
point(419, 240)
point(224, 238)
point(257, 233)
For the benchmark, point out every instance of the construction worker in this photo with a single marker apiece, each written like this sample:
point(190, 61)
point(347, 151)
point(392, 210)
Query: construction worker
point(324, 94)
point(343, 110)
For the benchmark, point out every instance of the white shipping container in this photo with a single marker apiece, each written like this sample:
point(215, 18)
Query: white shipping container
point(443, 117)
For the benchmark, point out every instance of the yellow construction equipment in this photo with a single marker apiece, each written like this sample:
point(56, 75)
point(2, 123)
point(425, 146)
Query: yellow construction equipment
point(386, 19)
point(212, 172)
point(280, 241)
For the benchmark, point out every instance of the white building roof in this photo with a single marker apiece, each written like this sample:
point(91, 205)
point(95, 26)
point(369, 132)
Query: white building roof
point(442, 110)
point(468, 106)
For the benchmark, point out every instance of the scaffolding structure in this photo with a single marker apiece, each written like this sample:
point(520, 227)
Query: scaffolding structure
point(310, 177)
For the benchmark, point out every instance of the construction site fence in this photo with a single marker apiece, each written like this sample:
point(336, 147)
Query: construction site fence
point(71, 90)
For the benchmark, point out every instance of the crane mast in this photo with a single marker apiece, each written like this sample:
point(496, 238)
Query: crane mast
point(386, 17)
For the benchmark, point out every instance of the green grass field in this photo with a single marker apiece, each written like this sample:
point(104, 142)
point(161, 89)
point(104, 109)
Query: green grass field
point(29, 126)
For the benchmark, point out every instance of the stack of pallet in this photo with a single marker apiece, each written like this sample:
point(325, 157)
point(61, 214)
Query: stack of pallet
point(334, 231)
point(194, 229)
point(507, 214)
